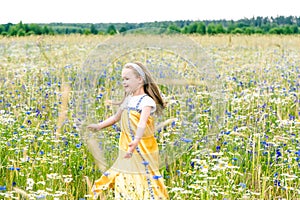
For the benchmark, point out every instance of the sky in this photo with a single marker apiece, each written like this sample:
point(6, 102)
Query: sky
point(137, 11)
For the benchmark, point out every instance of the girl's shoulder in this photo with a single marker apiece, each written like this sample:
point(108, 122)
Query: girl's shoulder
point(149, 99)
point(139, 102)
point(141, 99)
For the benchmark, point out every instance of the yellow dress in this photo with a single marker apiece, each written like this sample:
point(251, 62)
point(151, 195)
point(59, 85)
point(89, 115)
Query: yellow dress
point(138, 177)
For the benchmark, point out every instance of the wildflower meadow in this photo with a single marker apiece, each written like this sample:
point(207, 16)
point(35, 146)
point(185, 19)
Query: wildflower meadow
point(254, 153)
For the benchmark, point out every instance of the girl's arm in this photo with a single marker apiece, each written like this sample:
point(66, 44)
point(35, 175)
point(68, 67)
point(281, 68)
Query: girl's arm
point(144, 116)
point(108, 122)
point(139, 131)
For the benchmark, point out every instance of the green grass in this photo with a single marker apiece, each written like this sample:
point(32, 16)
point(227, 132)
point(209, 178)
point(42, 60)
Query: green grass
point(256, 156)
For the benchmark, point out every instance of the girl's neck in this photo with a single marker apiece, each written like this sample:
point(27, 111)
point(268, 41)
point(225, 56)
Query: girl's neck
point(138, 92)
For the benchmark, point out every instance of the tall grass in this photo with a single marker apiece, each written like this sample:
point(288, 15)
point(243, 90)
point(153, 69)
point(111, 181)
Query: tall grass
point(257, 154)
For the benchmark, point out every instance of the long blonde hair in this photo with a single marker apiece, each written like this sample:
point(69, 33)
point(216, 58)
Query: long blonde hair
point(150, 87)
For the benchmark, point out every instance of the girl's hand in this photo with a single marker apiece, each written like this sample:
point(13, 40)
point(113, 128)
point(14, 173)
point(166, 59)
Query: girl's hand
point(93, 127)
point(132, 146)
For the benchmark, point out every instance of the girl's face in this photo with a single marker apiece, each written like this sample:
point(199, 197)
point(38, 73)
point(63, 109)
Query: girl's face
point(131, 82)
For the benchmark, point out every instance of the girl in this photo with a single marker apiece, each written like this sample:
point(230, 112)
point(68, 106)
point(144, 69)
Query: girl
point(135, 174)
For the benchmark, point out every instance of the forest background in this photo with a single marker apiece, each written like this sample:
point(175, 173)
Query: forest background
point(281, 25)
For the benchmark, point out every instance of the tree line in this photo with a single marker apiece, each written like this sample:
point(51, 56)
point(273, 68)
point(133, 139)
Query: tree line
point(256, 25)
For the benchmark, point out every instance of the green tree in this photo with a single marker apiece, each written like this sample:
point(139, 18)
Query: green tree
point(36, 29)
point(20, 26)
point(219, 29)
point(249, 30)
point(30, 33)
point(276, 30)
point(12, 31)
point(45, 30)
point(185, 30)
point(231, 27)
point(173, 28)
point(111, 30)
point(94, 30)
point(123, 29)
point(295, 29)
point(192, 28)
point(87, 32)
point(259, 31)
point(26, 28)
point(211, 29)
point(7, 26)
point(266, 28)
point(287, 30)
point(237, 31)
point(2, 29)
point(21, 32)
point(201, 28)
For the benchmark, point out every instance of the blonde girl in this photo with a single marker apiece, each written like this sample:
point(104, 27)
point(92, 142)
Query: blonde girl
point(135, 174)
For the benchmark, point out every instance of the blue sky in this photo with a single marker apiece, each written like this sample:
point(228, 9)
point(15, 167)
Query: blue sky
point(97, 11)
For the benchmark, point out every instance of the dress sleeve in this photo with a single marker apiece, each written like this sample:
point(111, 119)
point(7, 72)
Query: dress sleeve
point(124, 104)
point(148, 101)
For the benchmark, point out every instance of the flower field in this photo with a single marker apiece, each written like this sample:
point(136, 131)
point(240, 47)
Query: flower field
point(256, 154)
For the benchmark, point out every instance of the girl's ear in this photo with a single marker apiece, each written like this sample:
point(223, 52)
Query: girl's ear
point(141, 80)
